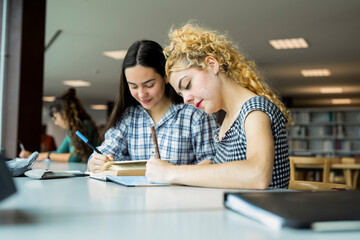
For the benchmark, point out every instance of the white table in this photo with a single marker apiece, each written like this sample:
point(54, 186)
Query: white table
point(84, 208)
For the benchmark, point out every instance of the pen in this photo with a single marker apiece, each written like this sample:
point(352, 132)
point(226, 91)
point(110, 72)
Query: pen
point(22, 146)
point(153, 133)
point(87, 142)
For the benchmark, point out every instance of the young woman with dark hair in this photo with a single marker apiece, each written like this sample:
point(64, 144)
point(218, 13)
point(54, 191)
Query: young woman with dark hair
point(145, 99)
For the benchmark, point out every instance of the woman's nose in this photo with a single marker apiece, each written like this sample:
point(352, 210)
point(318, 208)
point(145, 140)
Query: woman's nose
point(188, 99)
point(142, 92)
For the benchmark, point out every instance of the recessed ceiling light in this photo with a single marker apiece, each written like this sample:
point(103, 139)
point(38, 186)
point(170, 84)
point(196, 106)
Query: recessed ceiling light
point(48, 98)
point(341, 101)
point(291, 43)
point(315, 72)
point(77, 83)
point(118, 55)
point(331, 90)
point(99, 107)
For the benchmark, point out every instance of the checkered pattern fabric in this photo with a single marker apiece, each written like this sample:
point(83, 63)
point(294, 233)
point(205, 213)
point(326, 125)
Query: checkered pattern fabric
point(232, 147)
point(184, 134)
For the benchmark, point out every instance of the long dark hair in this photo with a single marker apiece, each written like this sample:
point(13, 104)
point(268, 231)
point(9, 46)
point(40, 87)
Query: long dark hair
point(73, 112)
point(146, 53)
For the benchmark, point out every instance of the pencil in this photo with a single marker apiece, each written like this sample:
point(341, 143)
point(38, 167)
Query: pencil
point(153, 133)
point(22, 146)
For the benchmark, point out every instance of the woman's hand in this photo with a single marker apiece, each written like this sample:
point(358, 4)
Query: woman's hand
point(158, 170)
point(24, 154)
point(98, 160)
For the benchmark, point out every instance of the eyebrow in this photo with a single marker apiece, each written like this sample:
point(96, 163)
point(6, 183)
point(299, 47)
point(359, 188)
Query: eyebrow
point(150, 80)
point(179, 86)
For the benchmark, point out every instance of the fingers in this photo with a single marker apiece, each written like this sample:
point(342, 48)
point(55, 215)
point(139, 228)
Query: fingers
point(95, 168)
point(24, 154)
point(110, 157)
point(98, 160)
point(205, 162)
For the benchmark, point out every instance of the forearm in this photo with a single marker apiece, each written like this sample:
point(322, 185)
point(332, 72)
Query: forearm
point(60, 157)
point(237, 174)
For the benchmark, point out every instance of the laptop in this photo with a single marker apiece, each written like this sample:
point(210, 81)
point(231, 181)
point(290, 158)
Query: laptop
point(321, 211)
point(7, 186)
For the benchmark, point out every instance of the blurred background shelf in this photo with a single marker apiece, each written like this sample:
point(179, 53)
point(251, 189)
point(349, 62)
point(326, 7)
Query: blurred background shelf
point(325, 132)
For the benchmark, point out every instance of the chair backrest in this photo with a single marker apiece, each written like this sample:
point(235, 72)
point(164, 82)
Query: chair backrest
point(348, 160)
point(324, 162)
point(316, 186)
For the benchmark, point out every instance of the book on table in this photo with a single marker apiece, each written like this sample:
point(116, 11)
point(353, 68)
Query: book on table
point(127, 173)
point(321, 211)
point(124, 168)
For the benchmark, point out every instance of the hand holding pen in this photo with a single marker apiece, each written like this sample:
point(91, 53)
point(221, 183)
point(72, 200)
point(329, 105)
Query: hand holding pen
point(153, 133)
point(97, 159)
point(23, 153)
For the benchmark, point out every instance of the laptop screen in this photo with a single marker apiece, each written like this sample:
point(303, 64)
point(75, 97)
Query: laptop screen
point(7, 186)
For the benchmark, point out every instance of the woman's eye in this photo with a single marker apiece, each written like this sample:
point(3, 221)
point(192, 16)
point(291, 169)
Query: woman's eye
point(187, 87)
point(149, 86)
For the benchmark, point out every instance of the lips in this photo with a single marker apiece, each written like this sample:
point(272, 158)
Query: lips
point(145, 101)
point(198, 105)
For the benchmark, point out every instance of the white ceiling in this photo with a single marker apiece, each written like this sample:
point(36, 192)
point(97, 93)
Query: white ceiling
point(89, 27)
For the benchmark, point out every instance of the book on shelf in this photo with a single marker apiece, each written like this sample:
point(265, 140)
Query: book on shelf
point(339, 117)
point(327, 145)
point(301, 117)
point(322, 211)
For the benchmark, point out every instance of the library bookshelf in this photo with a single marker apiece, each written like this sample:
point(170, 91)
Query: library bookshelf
point(325, 132)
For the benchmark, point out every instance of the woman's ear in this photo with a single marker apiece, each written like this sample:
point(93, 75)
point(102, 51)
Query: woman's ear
point(212, 63)
point(166, 79)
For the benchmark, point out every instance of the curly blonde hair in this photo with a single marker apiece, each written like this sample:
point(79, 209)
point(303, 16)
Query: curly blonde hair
point(191, 44)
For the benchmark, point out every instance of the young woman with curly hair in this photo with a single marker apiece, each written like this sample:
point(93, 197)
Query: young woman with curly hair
point(206, 69)
point(68, 113)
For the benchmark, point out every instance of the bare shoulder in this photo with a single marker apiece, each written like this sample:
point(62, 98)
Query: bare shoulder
point(257, 117)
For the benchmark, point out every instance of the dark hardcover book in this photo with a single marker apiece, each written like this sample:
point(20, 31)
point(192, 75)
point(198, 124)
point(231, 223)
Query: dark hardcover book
point(7, 186)
point(322, 211)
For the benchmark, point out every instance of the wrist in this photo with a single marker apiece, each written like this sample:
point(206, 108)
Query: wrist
point(170, 174)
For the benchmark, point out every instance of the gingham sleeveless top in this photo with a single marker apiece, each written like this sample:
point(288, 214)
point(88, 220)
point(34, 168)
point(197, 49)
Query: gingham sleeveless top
point(232, 147)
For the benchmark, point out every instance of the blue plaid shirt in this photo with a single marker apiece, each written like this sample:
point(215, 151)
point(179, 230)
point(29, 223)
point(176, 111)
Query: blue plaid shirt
point(184, 134)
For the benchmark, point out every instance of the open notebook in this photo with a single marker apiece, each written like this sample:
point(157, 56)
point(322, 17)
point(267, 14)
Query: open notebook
point(128, 181)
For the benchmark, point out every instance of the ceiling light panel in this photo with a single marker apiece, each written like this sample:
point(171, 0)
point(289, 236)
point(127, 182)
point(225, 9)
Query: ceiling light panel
point(99, 107)
point(329, 90)
point(48, 98)
point(341, 101)
point(315, 72)
point(77, 83)
point(117, 55)
point(291, 43)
